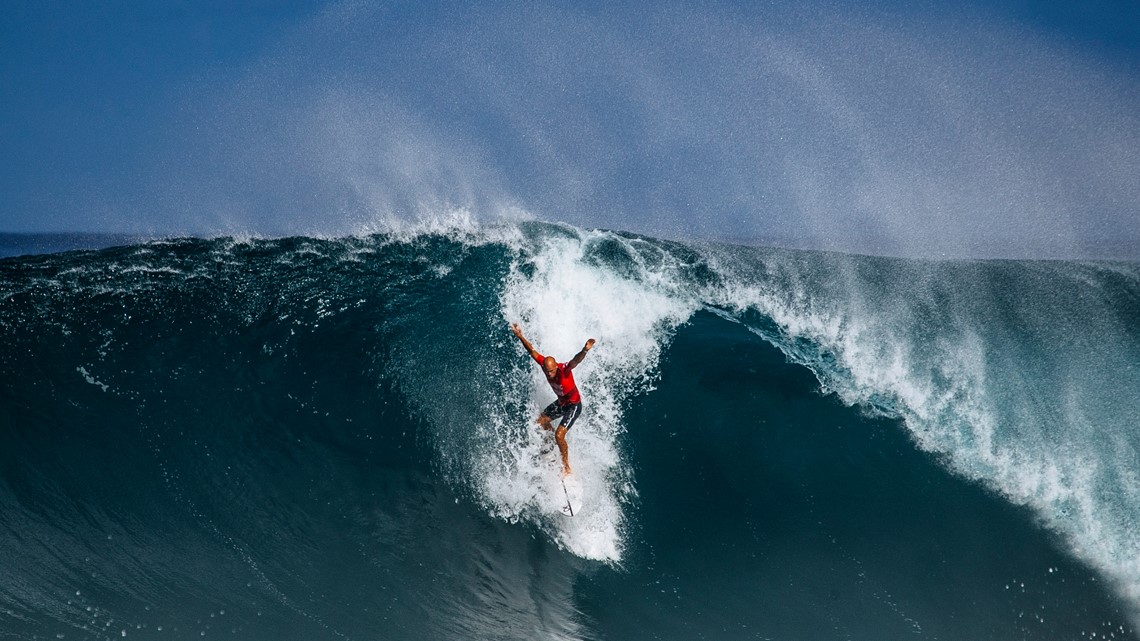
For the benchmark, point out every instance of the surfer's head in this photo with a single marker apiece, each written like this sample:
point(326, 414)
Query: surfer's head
point(550, 366)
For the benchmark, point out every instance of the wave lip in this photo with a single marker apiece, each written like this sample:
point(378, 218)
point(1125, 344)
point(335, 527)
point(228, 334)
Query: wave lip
point(1017, 374)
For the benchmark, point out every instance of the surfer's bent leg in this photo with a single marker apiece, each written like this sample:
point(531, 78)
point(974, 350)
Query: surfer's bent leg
point(552, 411)
point(560, 438)
point(569, 415)
point(544, 422)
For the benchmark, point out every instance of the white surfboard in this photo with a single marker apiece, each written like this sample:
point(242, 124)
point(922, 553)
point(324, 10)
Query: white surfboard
point(572, 492)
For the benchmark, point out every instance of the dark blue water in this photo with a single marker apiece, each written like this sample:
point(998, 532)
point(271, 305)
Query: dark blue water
point(29, 244)
point(310, 439)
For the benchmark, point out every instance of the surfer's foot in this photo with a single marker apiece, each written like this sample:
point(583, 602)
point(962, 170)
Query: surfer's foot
point(566, 471)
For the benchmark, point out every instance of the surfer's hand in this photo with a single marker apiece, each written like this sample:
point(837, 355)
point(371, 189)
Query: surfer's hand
point(516, 330)
point(589, 345)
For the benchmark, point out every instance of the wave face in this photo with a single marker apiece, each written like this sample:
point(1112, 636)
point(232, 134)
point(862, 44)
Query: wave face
point(309, 438)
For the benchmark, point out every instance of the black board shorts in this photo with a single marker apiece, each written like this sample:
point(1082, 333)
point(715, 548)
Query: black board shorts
point(569, 413)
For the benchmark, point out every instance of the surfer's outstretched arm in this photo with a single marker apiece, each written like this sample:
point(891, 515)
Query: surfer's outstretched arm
point(580, 355)
point(533, 352)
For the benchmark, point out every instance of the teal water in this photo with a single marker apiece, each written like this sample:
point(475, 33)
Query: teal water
point(305, 438)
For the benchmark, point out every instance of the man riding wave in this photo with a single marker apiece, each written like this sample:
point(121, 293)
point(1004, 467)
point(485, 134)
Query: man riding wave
point(568, 405)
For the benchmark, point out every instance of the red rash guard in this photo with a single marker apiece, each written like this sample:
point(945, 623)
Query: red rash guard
point(563, 383)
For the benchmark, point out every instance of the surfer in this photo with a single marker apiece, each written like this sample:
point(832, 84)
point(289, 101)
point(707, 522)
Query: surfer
point(568, 405)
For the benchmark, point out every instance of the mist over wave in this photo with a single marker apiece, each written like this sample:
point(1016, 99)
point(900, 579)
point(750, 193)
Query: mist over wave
point(929, 130)
point(292, 430)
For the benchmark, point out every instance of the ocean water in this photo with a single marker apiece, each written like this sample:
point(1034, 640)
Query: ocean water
point(307, 438)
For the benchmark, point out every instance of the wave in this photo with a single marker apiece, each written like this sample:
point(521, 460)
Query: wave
point(298, 418)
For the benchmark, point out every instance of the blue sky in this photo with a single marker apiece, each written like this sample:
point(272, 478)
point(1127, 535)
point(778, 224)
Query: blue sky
point(911, 128)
